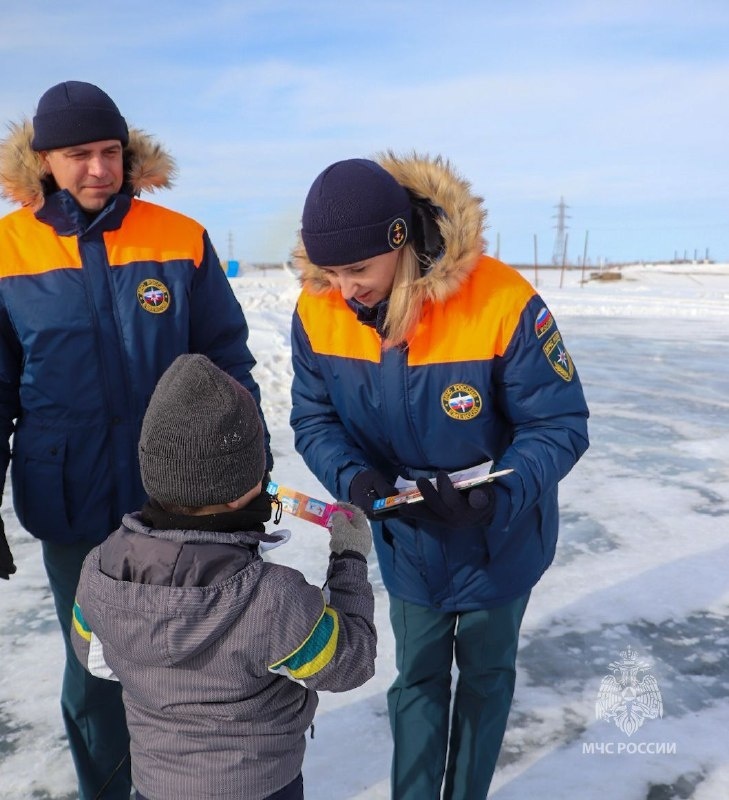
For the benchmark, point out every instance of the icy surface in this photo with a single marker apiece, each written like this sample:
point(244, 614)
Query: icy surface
point(641, 564)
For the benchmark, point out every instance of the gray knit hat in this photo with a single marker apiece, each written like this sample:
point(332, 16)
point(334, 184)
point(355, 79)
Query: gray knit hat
point(202, 437)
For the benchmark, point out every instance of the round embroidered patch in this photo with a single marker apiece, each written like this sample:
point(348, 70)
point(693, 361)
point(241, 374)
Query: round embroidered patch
point(461, 401)
point(153, 296)
point(397, 233)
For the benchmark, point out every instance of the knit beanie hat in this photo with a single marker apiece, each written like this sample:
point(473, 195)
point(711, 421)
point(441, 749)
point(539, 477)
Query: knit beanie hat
point(74, 113)
point(354, 210)
point(202, 437)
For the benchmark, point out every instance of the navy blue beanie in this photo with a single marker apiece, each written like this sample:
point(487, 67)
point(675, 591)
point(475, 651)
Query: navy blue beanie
point(74, 113)
point(354, 210)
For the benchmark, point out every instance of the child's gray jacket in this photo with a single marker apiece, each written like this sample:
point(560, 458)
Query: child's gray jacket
point(219, 654)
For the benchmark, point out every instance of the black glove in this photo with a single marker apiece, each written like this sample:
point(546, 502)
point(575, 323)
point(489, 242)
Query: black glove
point(446, 505)
point(368, 486)
point(7, 565)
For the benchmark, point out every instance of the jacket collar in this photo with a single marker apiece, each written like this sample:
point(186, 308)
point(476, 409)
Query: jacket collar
point(61, 211)
point(250, 518)
point(374, 317)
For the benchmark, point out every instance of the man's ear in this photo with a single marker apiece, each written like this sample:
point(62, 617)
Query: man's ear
point(43, 156)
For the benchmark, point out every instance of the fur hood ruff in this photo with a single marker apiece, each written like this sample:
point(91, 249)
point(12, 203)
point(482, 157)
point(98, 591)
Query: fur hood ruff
point(461, 225)
point(147, 166)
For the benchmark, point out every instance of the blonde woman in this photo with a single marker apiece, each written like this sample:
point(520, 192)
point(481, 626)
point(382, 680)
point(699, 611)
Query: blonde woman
point(416, 355)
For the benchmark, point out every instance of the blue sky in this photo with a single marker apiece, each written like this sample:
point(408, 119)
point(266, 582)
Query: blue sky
point(621, 108)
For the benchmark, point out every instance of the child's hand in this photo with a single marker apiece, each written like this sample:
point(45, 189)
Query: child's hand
point(354, 534)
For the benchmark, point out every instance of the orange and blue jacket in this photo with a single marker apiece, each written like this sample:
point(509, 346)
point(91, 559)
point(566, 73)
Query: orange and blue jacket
point(485, 376)
point(91, 314)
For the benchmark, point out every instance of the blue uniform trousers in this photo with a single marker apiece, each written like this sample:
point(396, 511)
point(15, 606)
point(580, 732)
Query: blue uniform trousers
point(92, 708)
point(435, 749)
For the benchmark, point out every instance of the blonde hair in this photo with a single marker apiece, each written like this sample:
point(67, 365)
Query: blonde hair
point(405, 305)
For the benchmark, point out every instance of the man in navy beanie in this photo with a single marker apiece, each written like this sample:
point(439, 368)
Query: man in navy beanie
point(100, 292)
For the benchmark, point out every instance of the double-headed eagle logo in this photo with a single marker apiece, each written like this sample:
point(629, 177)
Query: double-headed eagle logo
point(626, 698)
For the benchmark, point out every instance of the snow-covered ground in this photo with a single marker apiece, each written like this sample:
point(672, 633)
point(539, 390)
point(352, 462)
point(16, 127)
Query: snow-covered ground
point(641, 565)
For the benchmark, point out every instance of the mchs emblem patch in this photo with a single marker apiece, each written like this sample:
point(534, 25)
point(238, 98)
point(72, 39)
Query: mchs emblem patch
point(153, 296)
point(461, 401)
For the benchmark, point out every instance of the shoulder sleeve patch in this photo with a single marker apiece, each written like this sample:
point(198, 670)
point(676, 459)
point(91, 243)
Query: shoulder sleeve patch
point(558, 357)
point(543, 322)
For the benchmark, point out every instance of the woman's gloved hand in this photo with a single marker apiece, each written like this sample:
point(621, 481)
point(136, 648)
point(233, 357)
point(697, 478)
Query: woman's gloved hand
point(368, 486)
point(446, 505)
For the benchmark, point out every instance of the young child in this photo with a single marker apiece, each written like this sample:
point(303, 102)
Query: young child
point(218, 652)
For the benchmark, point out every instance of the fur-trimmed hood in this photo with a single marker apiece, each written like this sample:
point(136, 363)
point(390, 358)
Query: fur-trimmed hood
point(460, 219)
point(23, 178)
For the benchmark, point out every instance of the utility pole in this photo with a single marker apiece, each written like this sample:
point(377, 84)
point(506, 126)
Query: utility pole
point(564, 260)
point(559, 254)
